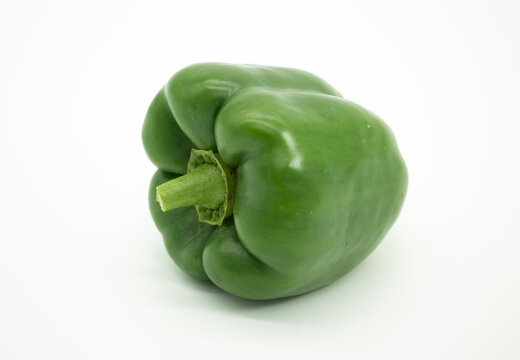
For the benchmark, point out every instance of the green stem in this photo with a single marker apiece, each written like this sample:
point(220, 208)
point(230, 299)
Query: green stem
point(204, 186)
point(209, 185)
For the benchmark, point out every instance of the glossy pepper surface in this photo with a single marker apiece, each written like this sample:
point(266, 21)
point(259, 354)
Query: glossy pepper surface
point(269, 183)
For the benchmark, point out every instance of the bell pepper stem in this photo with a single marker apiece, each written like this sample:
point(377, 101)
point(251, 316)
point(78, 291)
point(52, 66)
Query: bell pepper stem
point(204, 186)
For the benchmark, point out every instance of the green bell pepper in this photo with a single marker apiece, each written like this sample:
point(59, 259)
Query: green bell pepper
point(270, 184)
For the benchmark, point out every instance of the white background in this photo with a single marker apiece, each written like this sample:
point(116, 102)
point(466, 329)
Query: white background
point(83, 271)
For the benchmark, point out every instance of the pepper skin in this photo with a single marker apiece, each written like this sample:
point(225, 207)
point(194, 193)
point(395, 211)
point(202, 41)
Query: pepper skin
point(318, 180)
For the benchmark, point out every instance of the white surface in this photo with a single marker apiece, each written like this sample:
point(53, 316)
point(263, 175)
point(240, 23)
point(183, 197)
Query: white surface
point(83, 271)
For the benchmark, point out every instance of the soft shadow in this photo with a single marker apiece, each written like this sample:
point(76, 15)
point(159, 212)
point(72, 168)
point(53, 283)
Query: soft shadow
point(346, 298)
point(322, 305)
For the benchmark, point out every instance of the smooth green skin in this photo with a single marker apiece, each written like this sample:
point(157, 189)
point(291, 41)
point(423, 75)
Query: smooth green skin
point(320, 180)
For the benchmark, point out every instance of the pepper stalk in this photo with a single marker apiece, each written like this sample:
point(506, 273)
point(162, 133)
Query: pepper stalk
point(209, 185)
